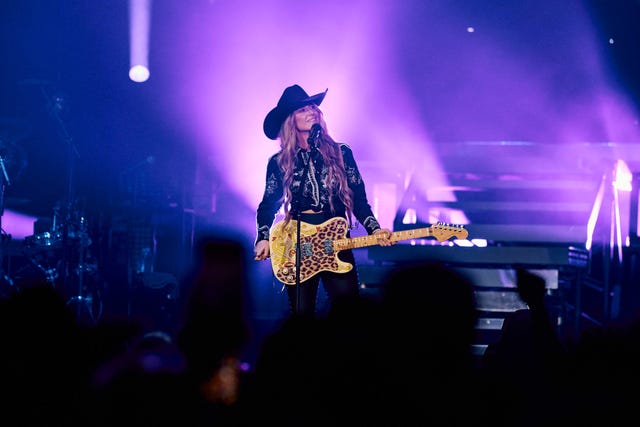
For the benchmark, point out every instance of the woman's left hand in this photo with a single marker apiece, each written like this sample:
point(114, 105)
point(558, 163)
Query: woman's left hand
point(384, 237)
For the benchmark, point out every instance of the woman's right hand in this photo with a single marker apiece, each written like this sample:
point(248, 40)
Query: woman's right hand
point(261, 250)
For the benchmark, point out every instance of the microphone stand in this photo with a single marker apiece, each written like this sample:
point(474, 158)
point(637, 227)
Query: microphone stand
point(296, 204)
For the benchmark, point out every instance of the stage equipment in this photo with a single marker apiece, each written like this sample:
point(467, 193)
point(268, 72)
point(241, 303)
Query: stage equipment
point(12, 162)
point(66, 259)
point(62, 254)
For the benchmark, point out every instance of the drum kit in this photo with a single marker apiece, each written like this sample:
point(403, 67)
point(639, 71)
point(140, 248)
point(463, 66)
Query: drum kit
point(58, 255)
point(61, 257)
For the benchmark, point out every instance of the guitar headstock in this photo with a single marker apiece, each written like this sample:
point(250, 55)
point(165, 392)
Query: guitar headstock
point(442, 231)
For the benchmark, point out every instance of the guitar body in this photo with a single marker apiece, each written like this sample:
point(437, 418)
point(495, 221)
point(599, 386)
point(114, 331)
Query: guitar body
point(321, 243)
point(318, 253)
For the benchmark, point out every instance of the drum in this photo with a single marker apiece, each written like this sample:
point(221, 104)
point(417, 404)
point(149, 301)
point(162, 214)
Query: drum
point(44, 250)
point(43, 241)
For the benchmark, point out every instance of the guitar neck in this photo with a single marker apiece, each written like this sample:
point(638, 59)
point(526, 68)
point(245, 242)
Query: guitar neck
point(370, 240)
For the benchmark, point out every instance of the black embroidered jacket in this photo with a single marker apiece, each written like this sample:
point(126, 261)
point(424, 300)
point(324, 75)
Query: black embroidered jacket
point(315, 191)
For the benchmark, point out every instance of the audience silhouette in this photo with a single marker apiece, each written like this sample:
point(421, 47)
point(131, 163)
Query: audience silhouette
point(43, 371)
point(528, 365)
point(402, 357)
point(429, 316)
point(215, 331)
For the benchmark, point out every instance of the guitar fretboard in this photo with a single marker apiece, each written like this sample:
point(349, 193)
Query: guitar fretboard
point(359, 242)
point(440, 231)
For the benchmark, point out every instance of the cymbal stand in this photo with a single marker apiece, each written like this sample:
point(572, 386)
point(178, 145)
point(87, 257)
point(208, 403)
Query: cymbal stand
point(4, 182)
point(83, 298)
point(56, 105)
point(76, 263)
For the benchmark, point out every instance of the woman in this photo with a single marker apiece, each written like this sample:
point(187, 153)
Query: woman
point(317, 180)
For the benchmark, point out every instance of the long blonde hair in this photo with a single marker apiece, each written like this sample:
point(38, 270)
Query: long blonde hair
point(332, 156)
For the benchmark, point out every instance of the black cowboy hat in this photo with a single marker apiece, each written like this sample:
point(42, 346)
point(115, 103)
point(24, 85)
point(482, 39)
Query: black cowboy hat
point(292, 98)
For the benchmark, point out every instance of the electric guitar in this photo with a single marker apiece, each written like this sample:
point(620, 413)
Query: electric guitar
point(321, 243)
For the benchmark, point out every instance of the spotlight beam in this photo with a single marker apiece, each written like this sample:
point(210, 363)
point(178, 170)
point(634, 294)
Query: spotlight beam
point(139, 26)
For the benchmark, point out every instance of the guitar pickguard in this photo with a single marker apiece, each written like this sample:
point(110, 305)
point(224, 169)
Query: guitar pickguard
point(318, 253)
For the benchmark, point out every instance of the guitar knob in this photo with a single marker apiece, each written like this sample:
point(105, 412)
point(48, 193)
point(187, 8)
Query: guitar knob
point(285, 270)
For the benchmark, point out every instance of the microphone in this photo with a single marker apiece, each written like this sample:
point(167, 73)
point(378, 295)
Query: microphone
point(314, 135)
